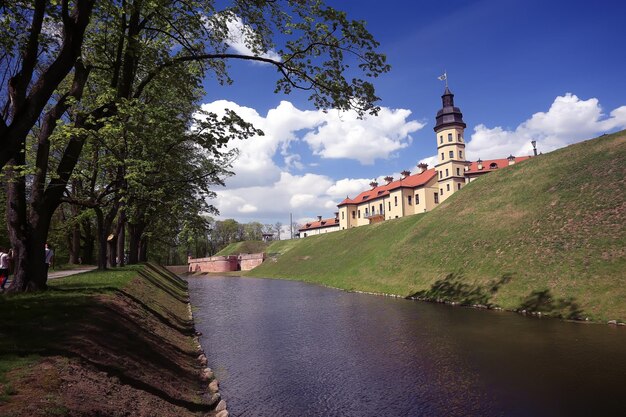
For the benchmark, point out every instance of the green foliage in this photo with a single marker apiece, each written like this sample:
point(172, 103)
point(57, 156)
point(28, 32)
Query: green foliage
point(553, 223)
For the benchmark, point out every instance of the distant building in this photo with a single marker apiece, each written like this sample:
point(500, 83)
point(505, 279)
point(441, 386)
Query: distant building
point(419, 192)
point(320, 226)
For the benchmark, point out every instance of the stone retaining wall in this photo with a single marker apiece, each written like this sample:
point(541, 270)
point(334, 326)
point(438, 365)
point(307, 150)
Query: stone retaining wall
point(178, 269)
point(213, 264)
point(251, 261)
point(228, 263)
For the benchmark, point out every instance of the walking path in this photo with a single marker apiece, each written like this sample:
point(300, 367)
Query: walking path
point(67, 273)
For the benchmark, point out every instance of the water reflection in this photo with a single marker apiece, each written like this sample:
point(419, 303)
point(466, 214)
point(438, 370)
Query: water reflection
point(283, 348)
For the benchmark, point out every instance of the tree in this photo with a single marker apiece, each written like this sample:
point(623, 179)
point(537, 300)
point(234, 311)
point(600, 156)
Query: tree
point(278, 226)
point(125, 47)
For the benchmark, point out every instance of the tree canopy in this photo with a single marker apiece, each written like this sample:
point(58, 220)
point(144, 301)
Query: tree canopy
point(98, 103)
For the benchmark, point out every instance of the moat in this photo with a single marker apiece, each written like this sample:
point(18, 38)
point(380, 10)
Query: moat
point(284, 348)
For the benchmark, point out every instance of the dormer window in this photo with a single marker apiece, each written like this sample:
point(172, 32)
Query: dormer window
point(493, 165)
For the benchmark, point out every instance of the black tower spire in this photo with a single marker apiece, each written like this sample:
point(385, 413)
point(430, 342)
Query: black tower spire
point(448, 115)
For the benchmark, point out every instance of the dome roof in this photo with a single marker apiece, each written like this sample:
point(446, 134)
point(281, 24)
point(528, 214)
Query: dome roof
point(448, 115)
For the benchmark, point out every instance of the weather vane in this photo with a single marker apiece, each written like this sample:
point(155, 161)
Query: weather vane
point(444, 77)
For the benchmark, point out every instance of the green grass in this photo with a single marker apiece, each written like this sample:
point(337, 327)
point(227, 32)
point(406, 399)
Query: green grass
point(27, 317)
point(252, 246)
point(554, 225)
point(125, 319)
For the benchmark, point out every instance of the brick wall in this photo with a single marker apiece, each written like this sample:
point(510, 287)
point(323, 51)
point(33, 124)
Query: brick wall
point(225, 263)
point(251, 261)
point(213, 264)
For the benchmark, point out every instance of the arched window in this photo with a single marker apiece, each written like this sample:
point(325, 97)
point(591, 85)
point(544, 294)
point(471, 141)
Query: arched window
point(493, 165)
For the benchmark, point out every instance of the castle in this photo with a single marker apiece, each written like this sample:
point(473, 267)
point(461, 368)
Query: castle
point(419, 192)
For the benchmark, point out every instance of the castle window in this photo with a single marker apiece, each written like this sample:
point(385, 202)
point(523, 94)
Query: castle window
point(441, 139)
point(359, 214)
point(389, 206)
point(447, 173)
point(381, 208)
point(458, 171)
point(459, 186)
point(447, 187)
point(442, 158)
point(417, 199)
point(353, 214)
point(441, 191)
point(460, 138)
point(449, 137)
point(395, 200)
point(408, 198)
point(342, 215)
point(461, 154)
point(436, 198)
point(451, 154)
point(366, 212)
point(440, 174)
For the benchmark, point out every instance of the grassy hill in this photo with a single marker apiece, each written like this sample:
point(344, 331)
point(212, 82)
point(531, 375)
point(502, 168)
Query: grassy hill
point(251, 246)
point(547, 234)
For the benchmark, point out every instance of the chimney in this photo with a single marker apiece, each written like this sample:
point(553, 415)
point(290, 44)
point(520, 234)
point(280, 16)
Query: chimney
point(480, 163)
point(511, 159)
point(319, 218)
point(405, 173)
point(373, 184)
point(422, 167)
point(336, 215)
point(388, 179)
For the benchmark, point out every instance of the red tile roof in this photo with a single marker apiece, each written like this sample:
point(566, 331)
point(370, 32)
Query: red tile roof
point(412, 181)
point(488, 165)
point(333, 221)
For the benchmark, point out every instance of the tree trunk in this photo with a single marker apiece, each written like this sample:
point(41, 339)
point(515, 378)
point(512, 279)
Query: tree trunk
point(143, 249)
point(27, 242)
point(121, 237)
point(75, 245)
point(89, 243)
point(101, 235)
point(112, 249)
point(135, 231)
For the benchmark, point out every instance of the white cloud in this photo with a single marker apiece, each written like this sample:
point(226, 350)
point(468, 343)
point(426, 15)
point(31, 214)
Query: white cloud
point(347, 187)
point(569, 120)
point(344, 135)
point(431, 161)
point(240, 36)
point(247, 208)
point(369, 139)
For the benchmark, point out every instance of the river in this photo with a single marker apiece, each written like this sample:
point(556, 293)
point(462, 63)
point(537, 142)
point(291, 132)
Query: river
point(286, 348)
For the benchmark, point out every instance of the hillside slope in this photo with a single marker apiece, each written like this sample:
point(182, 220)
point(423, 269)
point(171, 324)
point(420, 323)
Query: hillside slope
point(249, 246)
point(547, 234)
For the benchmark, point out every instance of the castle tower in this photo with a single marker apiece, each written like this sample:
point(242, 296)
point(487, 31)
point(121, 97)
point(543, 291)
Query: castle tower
point(450, 147)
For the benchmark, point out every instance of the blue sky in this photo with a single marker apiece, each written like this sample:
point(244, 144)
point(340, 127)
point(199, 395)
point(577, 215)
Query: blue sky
point(547, 70)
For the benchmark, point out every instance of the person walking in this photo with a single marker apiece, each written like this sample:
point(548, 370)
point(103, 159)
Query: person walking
point(49, 257)
point(5, 264)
